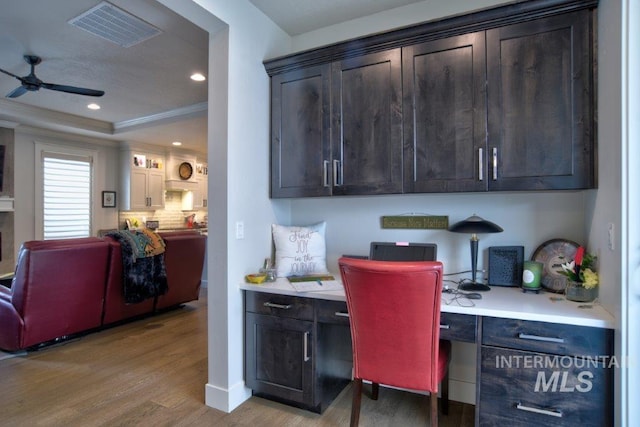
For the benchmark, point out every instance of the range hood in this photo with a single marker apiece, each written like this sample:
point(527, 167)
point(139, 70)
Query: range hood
point(178, 185)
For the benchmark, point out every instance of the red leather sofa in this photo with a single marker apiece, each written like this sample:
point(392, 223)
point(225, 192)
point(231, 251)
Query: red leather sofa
point(64, 287)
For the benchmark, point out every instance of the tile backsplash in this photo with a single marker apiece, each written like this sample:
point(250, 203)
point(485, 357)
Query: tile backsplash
point(172, 216)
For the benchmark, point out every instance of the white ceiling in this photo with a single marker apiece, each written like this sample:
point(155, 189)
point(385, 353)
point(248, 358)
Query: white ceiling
point(149, 97)
point(301, 16)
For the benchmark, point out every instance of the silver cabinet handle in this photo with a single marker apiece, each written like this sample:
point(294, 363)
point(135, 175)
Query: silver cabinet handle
point(306, 347)
point(551, 412)
point(495, 163)
point(539, 338)
point(480, 164)
point(274, 305)
point(445, 327)
point(337, 175)
point(341, 314)
point(325, 173)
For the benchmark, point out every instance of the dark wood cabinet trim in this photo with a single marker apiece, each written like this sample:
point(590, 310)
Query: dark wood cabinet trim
point(432, 30)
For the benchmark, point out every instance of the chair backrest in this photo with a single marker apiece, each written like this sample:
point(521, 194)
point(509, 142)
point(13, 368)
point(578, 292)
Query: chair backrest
point(394, 311)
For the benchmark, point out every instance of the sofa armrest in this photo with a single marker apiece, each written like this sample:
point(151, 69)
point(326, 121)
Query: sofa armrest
point(5, 293)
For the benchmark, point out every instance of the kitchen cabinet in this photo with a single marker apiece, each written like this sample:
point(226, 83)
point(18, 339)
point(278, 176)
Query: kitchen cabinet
point(300, 137)
point(297, 350)
point(200, 195)
point(355, 146)
point(540, 103)
point(142, 181)
point(366, 124)
point(456, 105)
point(537, 373)
point(444, 115)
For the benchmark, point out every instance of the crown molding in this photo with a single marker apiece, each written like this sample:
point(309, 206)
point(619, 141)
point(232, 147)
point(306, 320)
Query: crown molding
point(50, 119)
point(195, 110)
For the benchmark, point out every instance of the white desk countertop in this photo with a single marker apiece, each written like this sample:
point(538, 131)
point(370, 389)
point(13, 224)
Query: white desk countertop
point(505, 302)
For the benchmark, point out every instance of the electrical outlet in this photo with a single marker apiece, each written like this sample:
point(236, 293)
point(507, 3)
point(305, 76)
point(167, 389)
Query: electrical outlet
point(239, 230)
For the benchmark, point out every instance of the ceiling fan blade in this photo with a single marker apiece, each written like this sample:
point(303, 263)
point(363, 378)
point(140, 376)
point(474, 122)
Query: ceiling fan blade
point(9, 74)
point(73, 89)
point(20, 90)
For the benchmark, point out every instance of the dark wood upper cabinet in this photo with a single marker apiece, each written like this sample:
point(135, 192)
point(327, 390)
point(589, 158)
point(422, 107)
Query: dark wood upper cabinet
point(366, 124)
point(497, 100)
point(445, 115)
point(300, 135)
point(540, 104)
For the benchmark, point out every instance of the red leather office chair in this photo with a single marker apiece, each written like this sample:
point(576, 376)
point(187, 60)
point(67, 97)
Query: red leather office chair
point(394, 310)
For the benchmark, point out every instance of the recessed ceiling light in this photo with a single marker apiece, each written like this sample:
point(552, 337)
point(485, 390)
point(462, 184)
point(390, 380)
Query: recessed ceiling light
point(176, 143)
point(198, 77)
point(93, 106)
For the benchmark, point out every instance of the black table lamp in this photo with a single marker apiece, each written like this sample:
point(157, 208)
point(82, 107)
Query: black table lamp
point(474, 225)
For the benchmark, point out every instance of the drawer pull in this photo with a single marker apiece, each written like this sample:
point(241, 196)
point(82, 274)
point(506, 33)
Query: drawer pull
point(274, 305)
point(325, 173)
point(480, 165)
point(539, 338)
point(341, 314)
point(495, 163)
point(551, 412)
point(306, 347)
point(445, 326)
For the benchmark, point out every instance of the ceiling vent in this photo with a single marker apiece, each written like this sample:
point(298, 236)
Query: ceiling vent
point(114, 24)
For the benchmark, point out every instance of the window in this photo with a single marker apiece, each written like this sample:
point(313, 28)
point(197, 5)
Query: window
point(66, 182)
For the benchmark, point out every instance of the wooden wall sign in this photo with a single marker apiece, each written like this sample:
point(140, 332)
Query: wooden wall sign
point(418, 222)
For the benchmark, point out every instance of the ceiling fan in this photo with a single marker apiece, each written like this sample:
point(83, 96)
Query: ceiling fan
point(32, 83)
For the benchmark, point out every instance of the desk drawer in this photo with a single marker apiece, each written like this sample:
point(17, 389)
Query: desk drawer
point(565, 391)
point(544, 337)
point(279, 305)
point(457, 327)
point(332, 312)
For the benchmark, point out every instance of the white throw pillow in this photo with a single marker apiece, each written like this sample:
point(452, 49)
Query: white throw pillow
point(300, 250)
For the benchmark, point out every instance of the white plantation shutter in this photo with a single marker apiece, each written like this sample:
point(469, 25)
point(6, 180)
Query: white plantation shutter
point(67, 196)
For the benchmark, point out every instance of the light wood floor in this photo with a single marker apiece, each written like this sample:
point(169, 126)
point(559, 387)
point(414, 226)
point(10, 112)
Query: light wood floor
point(152, 372)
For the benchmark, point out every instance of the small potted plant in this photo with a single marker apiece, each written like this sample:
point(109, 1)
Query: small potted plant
point(583, 282)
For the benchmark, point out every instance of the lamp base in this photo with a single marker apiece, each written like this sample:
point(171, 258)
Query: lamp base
point(473, 287)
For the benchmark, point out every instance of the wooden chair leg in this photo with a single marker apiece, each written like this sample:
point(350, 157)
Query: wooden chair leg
point(444, 398)
point(434, 410)
point(375, 390)
point(355, 402)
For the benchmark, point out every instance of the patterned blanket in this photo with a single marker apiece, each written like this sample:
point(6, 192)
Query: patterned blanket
point(143, 270)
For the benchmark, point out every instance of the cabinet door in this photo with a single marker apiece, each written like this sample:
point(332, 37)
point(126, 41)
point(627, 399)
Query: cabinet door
point(139, 189)
point(155, 189)
point(279, 357)
point(300, 138)
point(444, 115)
point(540, 94)
point(366, 124)
point(200, 193)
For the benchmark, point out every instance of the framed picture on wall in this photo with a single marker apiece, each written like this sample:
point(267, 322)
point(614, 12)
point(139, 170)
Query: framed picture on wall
point(108, 199)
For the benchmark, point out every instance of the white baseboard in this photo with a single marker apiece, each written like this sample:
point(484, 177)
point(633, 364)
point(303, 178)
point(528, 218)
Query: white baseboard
point(226, 400)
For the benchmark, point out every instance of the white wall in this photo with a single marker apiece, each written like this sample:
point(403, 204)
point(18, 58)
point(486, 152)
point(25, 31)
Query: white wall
point(241, 38)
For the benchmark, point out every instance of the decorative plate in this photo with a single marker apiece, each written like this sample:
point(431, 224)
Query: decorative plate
point(552, 254)
point(185, 170)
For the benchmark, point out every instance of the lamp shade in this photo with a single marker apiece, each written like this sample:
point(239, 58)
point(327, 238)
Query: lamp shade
point(475, 225)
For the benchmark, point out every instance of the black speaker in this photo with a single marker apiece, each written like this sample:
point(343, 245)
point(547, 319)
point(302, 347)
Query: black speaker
point(505, 265)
